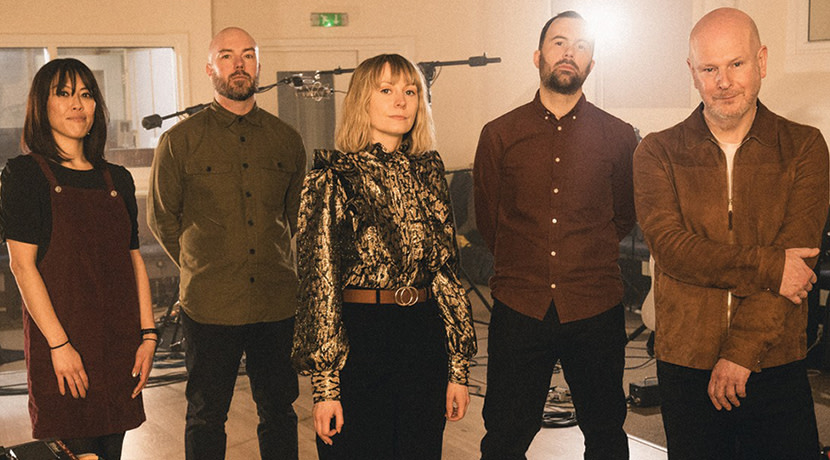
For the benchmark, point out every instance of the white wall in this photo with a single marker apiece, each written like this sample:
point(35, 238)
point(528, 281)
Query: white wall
point(464, 98)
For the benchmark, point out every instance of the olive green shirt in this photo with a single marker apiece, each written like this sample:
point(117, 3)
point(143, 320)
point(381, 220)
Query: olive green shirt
point(223, 200)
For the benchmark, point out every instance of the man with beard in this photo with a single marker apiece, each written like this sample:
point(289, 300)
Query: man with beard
point(553, 193)
point(732, 202)
point(223, 202)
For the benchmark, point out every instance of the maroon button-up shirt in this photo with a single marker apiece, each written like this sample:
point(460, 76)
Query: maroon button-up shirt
point(553, 200)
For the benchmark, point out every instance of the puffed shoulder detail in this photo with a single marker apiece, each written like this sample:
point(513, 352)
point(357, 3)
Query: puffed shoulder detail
point(334, 159)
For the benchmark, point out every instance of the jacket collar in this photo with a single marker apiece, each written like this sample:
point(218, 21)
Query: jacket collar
point(763, 128)
point(227, 118)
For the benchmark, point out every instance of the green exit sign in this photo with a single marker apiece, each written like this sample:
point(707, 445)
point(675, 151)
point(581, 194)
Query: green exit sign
point(329, 19)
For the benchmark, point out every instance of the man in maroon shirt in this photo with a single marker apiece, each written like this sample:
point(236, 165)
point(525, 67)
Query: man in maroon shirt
point(553, 192)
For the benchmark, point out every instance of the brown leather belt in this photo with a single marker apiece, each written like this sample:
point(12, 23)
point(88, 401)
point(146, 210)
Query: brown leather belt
point(404, 296)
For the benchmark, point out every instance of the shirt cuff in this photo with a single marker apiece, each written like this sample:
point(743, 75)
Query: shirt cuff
point(459, 369)
point(326, 385)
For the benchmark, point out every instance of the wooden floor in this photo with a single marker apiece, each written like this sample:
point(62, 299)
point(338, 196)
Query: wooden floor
point(162, 436)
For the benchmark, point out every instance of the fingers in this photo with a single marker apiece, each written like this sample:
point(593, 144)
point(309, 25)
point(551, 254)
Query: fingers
point(457, 401)
point(805, 253)
point(324, 430)
point(338, 425)
point(61, 388)
point(77, 386)
point(714, 395)
point(84, 383)
point(141, 368)
point(142, 381)
point(456, 410)
point(324, 413)
point(727, 384)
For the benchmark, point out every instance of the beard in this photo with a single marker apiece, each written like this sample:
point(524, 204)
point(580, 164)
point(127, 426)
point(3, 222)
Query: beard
point(561, 82)
point(235, 89)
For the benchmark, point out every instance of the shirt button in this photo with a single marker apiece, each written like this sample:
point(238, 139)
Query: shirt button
point(574, 117)
point(248, 194)
point(245, 165)
point(554, 220)
point(251, 223)
point(556, 159)
point(242, 138)
point(553, 286)
point(553, 253)
point(252, 251)
point(252, 279)
point(547, 117)
point(556, 190)
point(559, 128)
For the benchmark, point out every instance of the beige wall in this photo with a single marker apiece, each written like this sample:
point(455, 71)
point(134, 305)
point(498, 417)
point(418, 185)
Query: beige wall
point(183, 23)
point(464, 98)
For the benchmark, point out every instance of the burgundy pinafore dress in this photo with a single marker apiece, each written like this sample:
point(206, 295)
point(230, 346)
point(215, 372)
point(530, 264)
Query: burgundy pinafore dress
point(90, 279)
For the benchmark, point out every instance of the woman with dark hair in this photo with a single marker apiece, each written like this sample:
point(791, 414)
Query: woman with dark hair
point(384, 326)
point(69, 219)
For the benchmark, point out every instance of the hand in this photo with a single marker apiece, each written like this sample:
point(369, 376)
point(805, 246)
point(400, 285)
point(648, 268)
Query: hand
point(69, 368)
point(798, 277)
point(458, 398)
point(143, 364)
point(727, 384)
point(322, 413)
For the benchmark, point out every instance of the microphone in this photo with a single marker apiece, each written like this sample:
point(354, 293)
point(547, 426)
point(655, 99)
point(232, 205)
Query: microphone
point(154, 121)
point(478, 61)
point(151, 121)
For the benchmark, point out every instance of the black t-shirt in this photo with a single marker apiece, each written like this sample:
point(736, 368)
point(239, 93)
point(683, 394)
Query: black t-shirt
point(26, 205)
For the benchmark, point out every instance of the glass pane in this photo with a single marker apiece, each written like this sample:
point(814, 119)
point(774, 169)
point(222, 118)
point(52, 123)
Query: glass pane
point(17, 68)
point(135, 82)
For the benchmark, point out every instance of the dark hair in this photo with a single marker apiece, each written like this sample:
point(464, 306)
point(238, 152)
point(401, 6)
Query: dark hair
point(37, 132)
point(564, 14)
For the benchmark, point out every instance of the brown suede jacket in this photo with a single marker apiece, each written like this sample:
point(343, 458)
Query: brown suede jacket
point(703, 251)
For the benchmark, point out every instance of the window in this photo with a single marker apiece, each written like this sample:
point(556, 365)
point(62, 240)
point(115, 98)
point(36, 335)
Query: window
point(135, 82)
point(17, 68)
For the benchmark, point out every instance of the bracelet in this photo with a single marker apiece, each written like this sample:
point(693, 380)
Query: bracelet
point(151, 330)
point(150, 338)
point(58, 346)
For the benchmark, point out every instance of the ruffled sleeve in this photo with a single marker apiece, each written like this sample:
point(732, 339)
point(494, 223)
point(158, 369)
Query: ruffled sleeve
point(451, 296)
point(320, 342)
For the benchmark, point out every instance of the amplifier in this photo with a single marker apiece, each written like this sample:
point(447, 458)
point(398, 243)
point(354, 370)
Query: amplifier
point(644, 394)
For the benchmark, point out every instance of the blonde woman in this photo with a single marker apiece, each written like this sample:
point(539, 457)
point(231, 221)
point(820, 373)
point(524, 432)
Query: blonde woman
point(384, 326)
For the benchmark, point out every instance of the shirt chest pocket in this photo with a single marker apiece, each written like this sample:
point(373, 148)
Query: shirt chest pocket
point(274, 179)
point(211, 189)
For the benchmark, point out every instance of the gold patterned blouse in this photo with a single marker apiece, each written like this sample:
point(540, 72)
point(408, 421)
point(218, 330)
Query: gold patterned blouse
point(374, 220)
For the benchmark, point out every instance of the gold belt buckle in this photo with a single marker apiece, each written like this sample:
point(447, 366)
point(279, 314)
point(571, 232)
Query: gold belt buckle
point(406, 296)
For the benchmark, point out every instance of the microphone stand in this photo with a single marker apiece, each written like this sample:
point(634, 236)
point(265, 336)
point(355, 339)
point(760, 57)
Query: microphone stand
point(428, 68)
point(155, 120)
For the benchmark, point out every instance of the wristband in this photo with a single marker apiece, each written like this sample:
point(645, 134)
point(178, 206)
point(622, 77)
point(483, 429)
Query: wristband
point(151, 330)
point(58, 346)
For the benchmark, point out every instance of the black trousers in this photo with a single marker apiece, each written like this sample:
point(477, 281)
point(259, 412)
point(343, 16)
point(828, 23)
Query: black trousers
point(394, 384)
point(775, 421)
point(212, 358)
point(522, 353)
